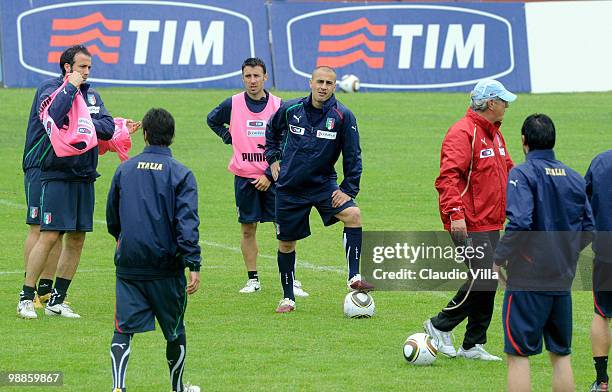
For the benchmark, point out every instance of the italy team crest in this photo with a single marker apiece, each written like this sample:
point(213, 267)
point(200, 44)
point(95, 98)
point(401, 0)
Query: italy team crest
point(91, 98)
point(47, 218)
point(33, 212)
point(329, 124)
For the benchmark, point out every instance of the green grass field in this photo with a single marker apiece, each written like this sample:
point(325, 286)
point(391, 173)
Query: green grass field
point(236, 342)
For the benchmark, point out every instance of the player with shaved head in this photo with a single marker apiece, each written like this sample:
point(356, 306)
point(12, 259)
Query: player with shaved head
point(304, 140)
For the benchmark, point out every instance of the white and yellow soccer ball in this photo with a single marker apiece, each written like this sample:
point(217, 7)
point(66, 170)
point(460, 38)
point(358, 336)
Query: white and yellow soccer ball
point(358, 304)
point(420, 349)
point(349, 83)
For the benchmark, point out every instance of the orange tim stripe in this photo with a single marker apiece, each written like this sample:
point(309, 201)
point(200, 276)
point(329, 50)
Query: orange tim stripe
point(338, 46)
point(86, 36)
point(106, 57)
point(346, 28)
point(79, 23)
point(349, 58)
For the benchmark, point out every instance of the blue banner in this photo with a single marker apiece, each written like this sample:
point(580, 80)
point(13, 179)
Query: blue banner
point(196, 43)
point(401, 46)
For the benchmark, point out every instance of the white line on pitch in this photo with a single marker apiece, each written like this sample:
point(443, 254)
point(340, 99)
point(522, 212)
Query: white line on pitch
point(300, 263)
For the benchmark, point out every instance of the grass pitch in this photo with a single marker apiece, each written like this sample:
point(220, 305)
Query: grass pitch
point(237, 342)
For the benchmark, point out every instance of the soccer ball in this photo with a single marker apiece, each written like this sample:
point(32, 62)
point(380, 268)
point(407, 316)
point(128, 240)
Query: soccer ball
point(419, 349)
point(358, 304)
point(349, 83)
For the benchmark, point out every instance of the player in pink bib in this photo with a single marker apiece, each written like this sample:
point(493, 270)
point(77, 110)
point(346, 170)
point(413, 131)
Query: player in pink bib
point(241, 121)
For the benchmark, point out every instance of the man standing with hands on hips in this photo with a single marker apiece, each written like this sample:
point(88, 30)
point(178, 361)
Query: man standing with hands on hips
point(474, 166)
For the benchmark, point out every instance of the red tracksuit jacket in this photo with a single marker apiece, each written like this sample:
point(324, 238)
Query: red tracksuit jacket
point(474, 166)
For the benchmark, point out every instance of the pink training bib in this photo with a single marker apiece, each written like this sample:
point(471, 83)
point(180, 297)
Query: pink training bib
point(121, 142)
point(79, 136)
point(248, 132)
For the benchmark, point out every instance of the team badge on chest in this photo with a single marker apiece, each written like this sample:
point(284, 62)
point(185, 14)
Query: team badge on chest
point(329, 124)
point(91, 98)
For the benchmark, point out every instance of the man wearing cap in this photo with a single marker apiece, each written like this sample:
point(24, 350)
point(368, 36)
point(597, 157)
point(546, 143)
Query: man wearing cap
point(474, 166)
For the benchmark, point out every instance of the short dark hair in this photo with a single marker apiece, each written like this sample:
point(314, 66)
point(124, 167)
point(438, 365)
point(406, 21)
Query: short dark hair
point(539, 132)
point(158, 124)
point(326, 67)
point(254, 62)
point(69, 54)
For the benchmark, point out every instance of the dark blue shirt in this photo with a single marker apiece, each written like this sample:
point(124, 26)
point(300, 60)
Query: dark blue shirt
point(599, 188)
point(219, 118)
point(547, 211)
point(308, 142)
point(152, 211)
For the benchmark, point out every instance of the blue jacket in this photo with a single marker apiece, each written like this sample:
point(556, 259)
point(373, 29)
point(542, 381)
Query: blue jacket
point(152, 211)
point(599, 189)
point(547, 211)
point(308, 142)
point(38, 151)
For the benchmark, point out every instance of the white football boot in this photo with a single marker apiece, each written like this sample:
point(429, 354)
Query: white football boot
point(62, 310)
point(252, 285)
point(442, 339)
point(25, 309)
point(298, 291)
point(477, 352)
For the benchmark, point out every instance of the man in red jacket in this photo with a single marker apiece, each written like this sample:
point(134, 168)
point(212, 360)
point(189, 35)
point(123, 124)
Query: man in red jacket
point(474, 166)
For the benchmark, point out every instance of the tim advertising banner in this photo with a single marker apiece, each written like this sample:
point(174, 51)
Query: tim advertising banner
point(434, 46)
point(194, 43)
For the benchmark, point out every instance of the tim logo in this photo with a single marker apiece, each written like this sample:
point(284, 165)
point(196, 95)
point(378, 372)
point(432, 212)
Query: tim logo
point(142, 42)
point(341, 44)
point(407, 46)
point(90, 34)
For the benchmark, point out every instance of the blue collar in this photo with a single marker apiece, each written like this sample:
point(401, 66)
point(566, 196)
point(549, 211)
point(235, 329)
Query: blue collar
point(163, 150)
point(327, 105)
point(541, 154)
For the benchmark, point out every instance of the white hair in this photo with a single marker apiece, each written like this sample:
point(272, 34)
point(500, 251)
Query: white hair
point(479, 105)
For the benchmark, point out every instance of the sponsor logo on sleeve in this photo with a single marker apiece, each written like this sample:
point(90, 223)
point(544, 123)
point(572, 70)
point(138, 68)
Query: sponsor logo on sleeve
point(502, 151)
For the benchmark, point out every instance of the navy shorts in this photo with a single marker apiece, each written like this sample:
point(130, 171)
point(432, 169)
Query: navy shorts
point(602, 288)
point(529, 315)
point(253, 205)
point(31, 183)
point(293, 212)
point(67, 206)
point(139, 302)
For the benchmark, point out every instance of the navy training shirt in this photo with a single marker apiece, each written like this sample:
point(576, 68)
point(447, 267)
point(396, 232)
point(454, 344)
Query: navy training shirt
point(152, 211)
point(599, 189)
point(547, 211)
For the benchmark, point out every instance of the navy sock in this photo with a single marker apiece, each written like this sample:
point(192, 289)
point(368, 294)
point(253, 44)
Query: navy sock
point(59, 291)
point(27, 292)
point(601, 367)
point(175, 354)
point(120, 354)
point(286, 266)
point(45, 286)
point(352, 248)
point(253, 275)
